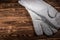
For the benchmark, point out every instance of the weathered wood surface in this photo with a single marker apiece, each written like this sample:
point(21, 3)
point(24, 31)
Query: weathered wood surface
point(8, 1)
point(16, 23)
point(15, 1)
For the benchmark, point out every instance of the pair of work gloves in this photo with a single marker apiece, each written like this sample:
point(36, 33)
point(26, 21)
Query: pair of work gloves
point(45, 18)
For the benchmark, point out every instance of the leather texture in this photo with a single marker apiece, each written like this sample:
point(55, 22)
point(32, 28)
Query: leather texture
point(43, 15)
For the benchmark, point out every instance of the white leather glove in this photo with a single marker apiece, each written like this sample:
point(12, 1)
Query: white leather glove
point(43, 15)
point(40, 26)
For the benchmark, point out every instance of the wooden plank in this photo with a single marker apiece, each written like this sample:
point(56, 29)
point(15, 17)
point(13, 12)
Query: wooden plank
point(8, 1)
point(16, 23)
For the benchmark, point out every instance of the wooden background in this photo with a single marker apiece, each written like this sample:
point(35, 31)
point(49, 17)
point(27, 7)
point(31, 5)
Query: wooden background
point(16, 23)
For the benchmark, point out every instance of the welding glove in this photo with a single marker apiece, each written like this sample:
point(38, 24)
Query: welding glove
point(36, 8)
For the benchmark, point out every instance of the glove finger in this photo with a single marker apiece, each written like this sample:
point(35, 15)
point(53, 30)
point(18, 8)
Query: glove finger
point(37, 27)
point(53, 29)
point(58, 20)
point(46, 29)
point(36, 23)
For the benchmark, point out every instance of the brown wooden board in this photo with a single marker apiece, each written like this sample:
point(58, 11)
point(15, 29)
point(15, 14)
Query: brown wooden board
point(16, 23)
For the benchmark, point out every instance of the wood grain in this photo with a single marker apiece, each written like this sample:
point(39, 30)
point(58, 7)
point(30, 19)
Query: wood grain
point(16, 23)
